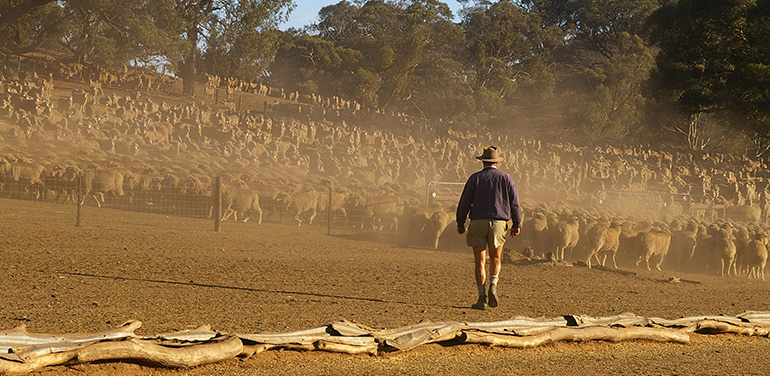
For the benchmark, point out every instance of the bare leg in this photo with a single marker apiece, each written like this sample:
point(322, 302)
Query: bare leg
point(480, 258)
point(495, 258)
point(479, 255)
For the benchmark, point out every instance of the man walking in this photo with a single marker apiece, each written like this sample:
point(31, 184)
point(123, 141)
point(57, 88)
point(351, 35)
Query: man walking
point(491, 198)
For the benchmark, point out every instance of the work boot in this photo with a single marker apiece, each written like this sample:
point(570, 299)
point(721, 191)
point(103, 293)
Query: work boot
point(481, 304)
point(493, 296)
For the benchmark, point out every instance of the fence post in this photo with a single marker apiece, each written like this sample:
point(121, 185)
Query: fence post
point(217, 197)
point(80, 199)
point(329, 208)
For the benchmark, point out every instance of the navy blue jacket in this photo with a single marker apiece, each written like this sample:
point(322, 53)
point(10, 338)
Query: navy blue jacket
point(489, 194)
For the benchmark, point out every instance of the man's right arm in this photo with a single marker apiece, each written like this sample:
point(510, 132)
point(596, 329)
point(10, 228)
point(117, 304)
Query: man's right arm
point(464, 206)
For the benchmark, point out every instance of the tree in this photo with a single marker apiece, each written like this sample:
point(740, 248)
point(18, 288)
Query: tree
point(113, 33)
point(753, 76)
point(612, 105)
point(424, 79)
point(29, 24)
point(312, 65)
point(241, 37)
point(713, 59)
point(509, 61)
point(398, 55)
point(227, 33)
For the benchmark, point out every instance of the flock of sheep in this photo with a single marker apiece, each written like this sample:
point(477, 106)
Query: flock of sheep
point(299, 159)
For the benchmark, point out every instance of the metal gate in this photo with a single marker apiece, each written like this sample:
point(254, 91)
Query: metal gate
point(447, 194)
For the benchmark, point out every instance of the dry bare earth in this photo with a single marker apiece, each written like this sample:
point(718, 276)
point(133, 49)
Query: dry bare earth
point(272, 278)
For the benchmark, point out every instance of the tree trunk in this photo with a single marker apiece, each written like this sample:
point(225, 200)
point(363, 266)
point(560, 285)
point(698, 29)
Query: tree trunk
point(189, 62)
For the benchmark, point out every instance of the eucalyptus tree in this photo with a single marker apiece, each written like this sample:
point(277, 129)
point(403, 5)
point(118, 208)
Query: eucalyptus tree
point(28, 25)
point(312, 65)
point(240, 37)
point(610, 103)
point(426, 75)
point(233, 37)
point(114, 33)
point(603, 61)
point(713, 60)
point(397, 55)
point(509, 62)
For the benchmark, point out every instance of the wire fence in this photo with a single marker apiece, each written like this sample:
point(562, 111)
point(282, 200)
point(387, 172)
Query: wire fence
point(99, 201)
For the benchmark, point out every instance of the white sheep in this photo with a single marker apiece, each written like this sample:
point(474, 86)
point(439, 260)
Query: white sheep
point(653, 243)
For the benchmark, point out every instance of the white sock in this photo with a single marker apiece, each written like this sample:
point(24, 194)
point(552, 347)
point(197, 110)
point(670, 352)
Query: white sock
point(493, 281)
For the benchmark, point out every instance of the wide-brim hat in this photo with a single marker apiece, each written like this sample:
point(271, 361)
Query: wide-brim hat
point(490, 154)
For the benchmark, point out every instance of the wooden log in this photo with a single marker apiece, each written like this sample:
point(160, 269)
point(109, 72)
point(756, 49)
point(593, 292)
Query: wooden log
point(597, 333)
point(21, 351)
point(331, 346)
point(303, 337)
point(756, 317)
point(135, 350)
point(20, 335)
point(719, 327)
point(425, 335)
point(520, 322)
point(200, 334)
point(251, 350)
point(689, 321)
point(624, 319)
point(351, 329)
point(393, 333)
point(28, 353)
point(22, 341)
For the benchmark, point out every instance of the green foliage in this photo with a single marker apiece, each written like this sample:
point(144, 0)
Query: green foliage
point(29, 31)
point(402, 56)
point(107, 32)
point(612, 103)
point(241, 37)
point(619, 70)
point(312, 65)
point(509, 63)
point(713, 58)
point(698, 50)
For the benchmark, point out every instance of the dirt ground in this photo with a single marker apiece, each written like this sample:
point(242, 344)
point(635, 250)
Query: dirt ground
point(253, 278)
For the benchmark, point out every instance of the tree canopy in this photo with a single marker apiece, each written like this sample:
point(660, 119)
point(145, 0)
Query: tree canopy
point(607, 70)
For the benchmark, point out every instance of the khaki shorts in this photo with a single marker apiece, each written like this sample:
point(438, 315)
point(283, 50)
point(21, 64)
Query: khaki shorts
point(483, 232)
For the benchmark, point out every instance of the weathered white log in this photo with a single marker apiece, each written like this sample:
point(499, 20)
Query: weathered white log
point(624, 320)
point(251, 350)
point(424, 335)
point(331, 346)
point(597, 333)
point(135, 350)
point(304, 337)
point(397, 332)
point(351, 329)
point(719, 327)
point(19, 345)
point(347, 345)
point(19, 336)
point(689, 321)
point(319, 339)
point(520, 322)
point(200, 334)
point(756, 317)
point(28, 352)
